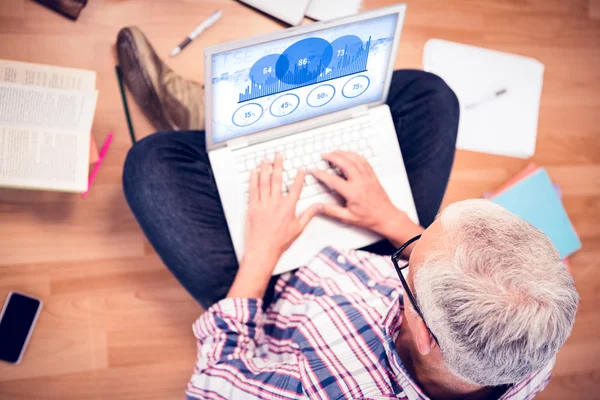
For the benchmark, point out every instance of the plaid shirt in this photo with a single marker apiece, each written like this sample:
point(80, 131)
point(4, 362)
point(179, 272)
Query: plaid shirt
point(329, 334)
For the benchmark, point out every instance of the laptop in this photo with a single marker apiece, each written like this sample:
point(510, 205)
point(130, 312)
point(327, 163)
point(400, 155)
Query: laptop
point(289, 11)
point(303, 92)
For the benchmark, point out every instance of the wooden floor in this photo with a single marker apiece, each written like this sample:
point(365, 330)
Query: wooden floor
point(116, 325)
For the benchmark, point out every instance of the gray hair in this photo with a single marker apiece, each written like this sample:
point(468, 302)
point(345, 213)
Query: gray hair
point(496, 294)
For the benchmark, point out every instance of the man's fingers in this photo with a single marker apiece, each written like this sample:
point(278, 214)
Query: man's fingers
point(296, 188)
point(332, 181)
point(309, 214)
point(277, 177)
point(253, 189)
point(337, 212)
point(265, 180)
point(345, 164)
point(361, 163)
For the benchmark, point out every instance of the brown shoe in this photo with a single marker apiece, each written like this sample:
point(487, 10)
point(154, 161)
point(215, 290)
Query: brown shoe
point(169, 101)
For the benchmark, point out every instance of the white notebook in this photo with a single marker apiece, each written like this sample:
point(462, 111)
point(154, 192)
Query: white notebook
point(46, 116)
point(499, 95)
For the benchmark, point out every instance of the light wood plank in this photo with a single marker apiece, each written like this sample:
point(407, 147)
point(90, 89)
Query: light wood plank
point(594, 9)
point(46, 226)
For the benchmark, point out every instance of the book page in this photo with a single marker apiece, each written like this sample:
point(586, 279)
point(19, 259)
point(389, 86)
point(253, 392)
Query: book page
point(51, 77)
point(23, 105)
point(44, 137)
point(46, 76)
point(39, 158)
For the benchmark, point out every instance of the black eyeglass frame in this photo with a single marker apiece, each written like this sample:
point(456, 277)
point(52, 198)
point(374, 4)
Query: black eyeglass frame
point(395, 258)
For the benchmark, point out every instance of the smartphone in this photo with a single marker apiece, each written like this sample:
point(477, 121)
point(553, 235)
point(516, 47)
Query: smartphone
point(17, 320)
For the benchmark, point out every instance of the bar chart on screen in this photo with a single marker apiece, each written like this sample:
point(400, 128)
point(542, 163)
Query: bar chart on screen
point(306, 62)
point(301, 76)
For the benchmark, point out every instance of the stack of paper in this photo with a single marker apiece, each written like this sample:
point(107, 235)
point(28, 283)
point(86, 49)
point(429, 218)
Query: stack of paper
point(46, 116)
point(532, 196)
point(499, 94)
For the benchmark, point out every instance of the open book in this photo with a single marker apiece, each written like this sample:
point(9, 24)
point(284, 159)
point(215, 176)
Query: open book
point(46, 116)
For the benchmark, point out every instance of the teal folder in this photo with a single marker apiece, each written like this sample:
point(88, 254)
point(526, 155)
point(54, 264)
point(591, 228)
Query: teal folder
point(535, 200)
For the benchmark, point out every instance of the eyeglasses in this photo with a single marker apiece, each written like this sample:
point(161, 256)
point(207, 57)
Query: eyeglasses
point(399, 269)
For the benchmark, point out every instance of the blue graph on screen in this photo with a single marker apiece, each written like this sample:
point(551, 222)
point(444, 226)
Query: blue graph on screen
point(306, 62)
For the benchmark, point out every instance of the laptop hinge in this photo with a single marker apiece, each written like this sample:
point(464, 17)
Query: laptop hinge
point(360, 111)
point(237, 143)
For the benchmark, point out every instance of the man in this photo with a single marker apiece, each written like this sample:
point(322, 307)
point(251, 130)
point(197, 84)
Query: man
point(490, 302)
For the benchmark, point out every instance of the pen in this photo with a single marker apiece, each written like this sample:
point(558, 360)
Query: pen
point(207, 23)
point(125, 106)
point(495, 95)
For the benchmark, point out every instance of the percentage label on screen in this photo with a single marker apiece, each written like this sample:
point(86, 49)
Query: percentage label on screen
point(284, 105)
point(247, 114)
point(356, 86)
point(320, 95)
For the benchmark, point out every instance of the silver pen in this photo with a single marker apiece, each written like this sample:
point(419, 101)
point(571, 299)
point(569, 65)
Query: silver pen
point(493, 96)
point(207, 23)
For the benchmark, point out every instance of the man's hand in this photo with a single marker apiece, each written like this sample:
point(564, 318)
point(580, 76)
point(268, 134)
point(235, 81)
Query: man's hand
point(271, 226)
point(271, 223)
point(367, 204)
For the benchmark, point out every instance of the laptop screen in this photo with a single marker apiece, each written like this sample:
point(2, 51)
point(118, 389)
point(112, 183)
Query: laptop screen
point(288, 80)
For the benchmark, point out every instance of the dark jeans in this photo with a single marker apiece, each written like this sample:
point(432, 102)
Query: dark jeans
point(169, 185)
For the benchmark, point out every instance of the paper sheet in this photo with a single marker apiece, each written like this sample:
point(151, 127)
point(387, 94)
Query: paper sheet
point(322, 10)
point(504, 124)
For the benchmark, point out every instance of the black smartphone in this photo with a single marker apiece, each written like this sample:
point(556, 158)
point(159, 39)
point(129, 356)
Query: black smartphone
point(17, 320)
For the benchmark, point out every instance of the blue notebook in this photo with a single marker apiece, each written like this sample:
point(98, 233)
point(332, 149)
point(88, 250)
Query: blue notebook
point(535, 200)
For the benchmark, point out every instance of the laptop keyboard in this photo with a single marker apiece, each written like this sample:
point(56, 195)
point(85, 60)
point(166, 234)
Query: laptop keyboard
point(305, 153)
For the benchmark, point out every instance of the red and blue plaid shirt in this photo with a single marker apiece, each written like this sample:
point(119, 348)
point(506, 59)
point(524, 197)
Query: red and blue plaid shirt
point(329, 334)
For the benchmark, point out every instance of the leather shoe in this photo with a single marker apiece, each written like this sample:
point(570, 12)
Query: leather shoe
point(169, 101)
